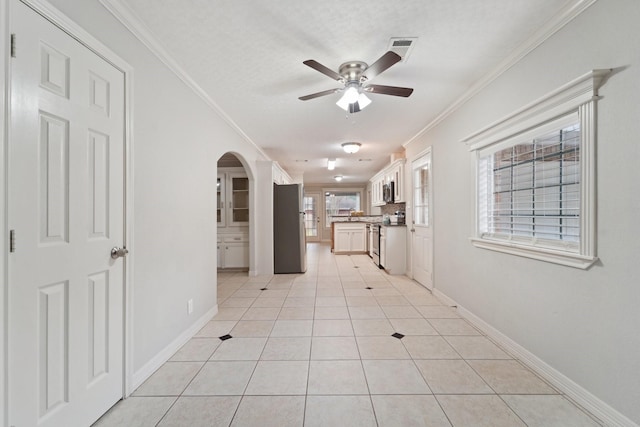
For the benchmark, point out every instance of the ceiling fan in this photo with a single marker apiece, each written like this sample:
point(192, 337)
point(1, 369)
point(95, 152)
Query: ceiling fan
point(355, 75)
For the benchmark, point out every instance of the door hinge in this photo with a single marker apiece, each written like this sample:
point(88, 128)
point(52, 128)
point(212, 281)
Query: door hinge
point(12, 240)
point(13, 45)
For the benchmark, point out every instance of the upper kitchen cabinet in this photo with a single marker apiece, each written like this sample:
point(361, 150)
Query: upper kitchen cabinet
point(221, 200)
point(376, 189)
point(239, 204)
point(392, 173)
point(395, 173)
point(280, 177)
point(233, 198)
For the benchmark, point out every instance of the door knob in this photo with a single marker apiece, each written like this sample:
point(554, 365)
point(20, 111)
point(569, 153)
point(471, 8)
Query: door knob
point(119, 252)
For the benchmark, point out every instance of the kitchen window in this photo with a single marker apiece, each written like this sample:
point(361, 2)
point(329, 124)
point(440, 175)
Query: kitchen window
point(341, 203)
point(535, 178)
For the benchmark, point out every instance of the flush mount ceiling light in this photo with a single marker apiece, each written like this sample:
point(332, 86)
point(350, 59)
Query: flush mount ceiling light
point(338, 178)
point(351, 147)
point(331, 164)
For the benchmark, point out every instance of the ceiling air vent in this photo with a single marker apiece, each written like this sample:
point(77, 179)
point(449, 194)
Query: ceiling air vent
point(402, 46)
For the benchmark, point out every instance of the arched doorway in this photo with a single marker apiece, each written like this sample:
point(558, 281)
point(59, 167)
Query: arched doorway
point(233, 214)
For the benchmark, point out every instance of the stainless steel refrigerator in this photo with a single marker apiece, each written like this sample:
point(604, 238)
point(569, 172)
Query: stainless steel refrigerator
point(289, 238)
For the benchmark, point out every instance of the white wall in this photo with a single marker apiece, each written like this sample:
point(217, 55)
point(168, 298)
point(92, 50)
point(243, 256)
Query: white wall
point(177, 139)
point(264, 201)
point(584, 324)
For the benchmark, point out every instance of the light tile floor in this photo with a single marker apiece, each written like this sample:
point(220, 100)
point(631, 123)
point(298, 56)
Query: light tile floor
point(316, 349)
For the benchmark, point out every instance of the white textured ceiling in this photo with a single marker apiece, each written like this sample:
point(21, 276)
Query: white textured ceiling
point(247, 55)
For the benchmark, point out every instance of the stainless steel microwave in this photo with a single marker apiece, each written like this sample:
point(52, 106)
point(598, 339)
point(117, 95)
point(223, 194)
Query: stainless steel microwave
point(387, 192)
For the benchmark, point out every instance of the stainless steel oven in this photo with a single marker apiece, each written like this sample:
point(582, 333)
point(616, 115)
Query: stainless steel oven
point(376, 244)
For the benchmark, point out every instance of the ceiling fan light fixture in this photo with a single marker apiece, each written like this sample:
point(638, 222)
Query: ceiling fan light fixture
point(343, 104)
point(353, 100)
point(351, 147)
point(351, 94)
point(363, 101)
point(331, 164)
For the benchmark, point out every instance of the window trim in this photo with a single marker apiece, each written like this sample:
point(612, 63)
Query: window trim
point(323, 198)
point(579, 95)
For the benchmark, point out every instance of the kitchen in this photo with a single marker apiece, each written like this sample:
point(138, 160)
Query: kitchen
point(383, 235)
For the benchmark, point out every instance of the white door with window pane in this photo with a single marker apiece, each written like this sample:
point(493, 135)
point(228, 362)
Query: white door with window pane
point(421, 229)
point(312, 217)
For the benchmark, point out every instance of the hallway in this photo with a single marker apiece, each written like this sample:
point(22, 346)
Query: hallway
point(318, 349)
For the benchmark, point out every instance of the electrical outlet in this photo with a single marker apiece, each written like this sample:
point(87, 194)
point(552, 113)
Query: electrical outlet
point(190, 306)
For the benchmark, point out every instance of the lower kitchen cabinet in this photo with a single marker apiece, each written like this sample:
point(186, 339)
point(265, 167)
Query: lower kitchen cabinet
point(349, 237)
point(393, 248)
point(233, 251)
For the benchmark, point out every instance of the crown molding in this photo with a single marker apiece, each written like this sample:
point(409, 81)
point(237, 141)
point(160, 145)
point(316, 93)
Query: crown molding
point(558, 102)
point(125, 15)
point(559, 21)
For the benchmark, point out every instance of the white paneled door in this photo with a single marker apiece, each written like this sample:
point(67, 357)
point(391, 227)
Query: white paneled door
point(66, 207)
point(421, 227)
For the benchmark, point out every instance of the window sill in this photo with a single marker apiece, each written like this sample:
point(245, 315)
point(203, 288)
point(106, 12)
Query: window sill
point(542, 254)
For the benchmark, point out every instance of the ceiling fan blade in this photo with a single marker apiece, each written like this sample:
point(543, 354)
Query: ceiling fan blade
point(324, 70)
point(319, 94)
point(389, 90)
point(385, 61)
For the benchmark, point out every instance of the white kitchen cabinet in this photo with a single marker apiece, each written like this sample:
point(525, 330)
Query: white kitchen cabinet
point(232, 199)
point(376, 189)
point(221, 199)
point(392, 173)
point(280, 177)
point(239, 199)
point(349, 237)
point(233, 251)
point(236, 255)
point(393, 248)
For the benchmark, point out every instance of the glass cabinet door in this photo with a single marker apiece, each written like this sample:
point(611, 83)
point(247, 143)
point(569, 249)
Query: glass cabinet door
point(239, 200)
point(220, 209)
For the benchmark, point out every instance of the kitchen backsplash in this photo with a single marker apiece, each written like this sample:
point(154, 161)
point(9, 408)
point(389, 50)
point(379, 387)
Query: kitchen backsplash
point(391, 208)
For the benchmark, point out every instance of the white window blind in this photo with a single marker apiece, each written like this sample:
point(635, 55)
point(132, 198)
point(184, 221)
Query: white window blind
point(536, 177)
point(529, 187)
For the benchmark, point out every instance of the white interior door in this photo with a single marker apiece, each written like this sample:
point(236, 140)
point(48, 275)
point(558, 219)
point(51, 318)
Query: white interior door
point(66, 205)
point(421, 228)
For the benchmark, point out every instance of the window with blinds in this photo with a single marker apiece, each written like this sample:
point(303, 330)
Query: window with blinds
point(536, 177)
point(529, 189)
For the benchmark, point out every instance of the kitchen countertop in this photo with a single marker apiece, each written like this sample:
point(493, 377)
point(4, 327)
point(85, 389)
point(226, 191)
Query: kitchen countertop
point(364, 218)
point(371, 219)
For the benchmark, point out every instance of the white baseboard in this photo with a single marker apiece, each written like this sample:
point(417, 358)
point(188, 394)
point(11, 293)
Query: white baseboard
point(165, 354)
point(444, 298)
point(605, 413)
